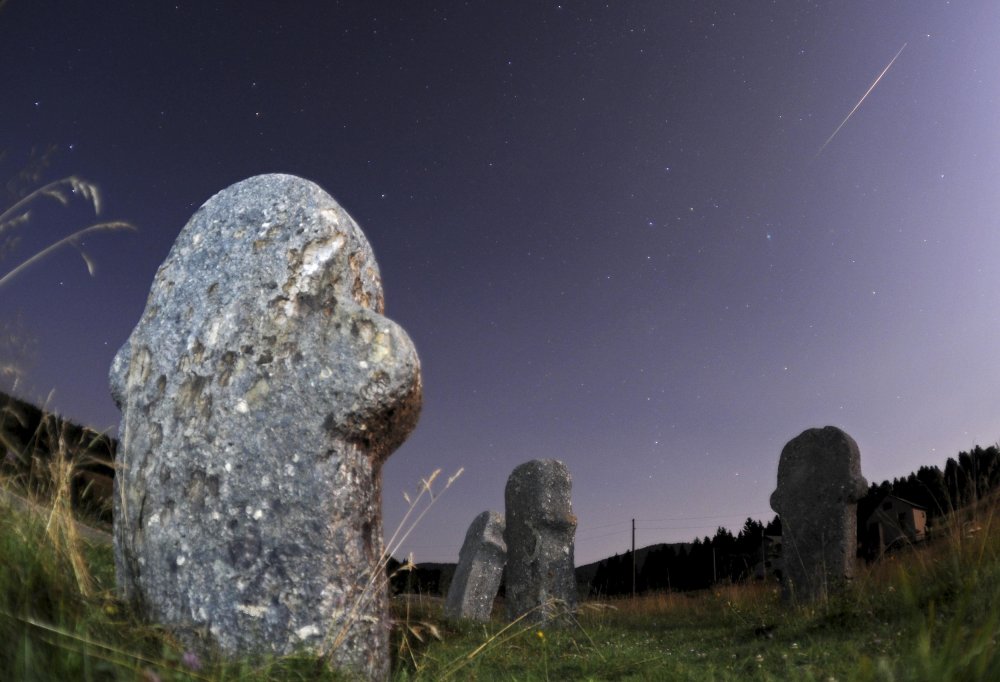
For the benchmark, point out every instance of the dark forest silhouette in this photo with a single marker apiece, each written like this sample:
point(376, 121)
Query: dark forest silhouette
point(689, 566)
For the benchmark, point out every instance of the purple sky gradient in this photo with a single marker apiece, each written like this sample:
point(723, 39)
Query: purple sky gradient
point(604, 225)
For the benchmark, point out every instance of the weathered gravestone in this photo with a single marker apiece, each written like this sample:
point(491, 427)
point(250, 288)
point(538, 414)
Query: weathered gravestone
point(819, 484)
point(261, 392)
point(539, 535)
point(480, 568)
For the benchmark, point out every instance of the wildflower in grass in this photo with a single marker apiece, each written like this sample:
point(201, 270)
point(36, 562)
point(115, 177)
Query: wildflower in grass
point(545, 653)
point(191, 660)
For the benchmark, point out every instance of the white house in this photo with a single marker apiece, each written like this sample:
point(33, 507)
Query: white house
point(895, 522)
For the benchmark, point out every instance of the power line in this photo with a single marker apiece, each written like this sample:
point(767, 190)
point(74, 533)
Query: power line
point(699, 518)
point(597, 537)
point(672, 519)
point(713, 526)
point(608, 525)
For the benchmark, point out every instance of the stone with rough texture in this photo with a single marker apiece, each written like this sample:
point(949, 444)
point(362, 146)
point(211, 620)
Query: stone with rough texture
point(480, 568)
point(261, 392)
point(539, 535)
point(819, 484)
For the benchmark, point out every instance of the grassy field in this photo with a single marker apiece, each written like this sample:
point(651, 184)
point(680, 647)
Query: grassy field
point(927, 613)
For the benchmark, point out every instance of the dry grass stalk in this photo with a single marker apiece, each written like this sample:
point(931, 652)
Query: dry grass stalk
point(71, 240)
point(61, 527)
point(377, 577)
point(411, 627)
point(46, 477)
point(62, 191)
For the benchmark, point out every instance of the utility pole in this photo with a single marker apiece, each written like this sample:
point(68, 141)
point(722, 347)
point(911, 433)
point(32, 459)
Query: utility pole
point(715, 577)
point(633, 558)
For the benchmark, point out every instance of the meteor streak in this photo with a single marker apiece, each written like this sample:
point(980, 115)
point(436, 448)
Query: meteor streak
point(868, 92)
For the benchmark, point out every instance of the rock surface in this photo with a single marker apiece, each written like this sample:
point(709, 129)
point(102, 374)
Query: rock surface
point(261, 392)
point(819, 484)
point(480, 568)
point(539, 535)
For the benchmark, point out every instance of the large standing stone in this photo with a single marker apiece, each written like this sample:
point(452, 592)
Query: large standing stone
point(819, 484)
point(539, 535)
point(480, 568)
point(261, 392)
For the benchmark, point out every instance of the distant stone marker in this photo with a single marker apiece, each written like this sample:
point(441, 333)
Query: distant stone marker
point(261, 392)
point(539, 534)
point(819, 484)
point(480, 568)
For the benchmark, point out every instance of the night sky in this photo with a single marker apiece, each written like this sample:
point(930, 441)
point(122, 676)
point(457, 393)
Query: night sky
point(609, 228)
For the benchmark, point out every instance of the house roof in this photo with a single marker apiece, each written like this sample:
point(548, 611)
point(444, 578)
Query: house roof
point(878, 514)
point(897, 497)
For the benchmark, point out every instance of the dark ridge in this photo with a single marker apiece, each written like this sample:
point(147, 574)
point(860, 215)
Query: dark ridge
point(31, 437)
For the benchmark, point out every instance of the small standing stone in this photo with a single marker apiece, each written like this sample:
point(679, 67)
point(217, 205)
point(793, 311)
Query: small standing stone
point(261, 391)
point(819, 484)
point(539, 535)
point(480, 568)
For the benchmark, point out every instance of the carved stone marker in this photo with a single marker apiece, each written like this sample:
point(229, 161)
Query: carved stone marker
point(261, 391)
point(480, 568)
point(539, 535)
point(819, 484)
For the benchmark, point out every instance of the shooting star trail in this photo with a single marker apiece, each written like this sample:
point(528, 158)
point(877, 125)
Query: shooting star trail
point(860, 101)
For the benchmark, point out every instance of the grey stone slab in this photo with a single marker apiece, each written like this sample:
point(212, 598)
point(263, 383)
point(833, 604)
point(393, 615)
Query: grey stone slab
point(261, 392)
point(540, 533)
point(819, 484)
point(480, 569)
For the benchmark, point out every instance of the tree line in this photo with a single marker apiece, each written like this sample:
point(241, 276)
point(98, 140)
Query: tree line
point(964, 481)
point(725, 557)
